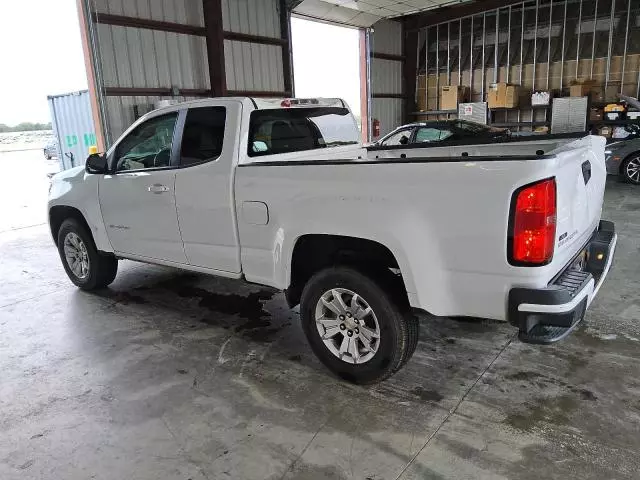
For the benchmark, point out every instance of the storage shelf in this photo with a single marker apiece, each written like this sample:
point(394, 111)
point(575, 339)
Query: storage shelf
point(518, 124)
point(613, 122)
point(515, 109)
point(436, 112)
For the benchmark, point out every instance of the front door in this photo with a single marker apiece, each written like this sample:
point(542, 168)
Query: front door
point(138, 199)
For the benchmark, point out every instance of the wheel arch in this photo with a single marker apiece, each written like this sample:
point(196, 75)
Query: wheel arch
point(314, 252)
point(60, 213)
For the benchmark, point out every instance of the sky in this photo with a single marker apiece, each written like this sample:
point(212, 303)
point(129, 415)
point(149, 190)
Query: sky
point(41, 54)
point(326, 61)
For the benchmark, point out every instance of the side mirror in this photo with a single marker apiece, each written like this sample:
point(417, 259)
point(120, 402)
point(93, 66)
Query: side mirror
point(404, 140)
point(96, 164)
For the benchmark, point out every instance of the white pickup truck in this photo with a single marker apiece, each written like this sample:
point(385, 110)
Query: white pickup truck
point(282, 193)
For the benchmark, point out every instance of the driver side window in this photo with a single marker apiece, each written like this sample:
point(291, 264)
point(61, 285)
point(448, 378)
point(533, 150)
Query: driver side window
point(148, 146)
point(400, 138)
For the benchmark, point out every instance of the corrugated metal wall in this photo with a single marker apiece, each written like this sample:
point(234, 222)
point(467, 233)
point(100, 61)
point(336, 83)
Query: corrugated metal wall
point(386, 75)
point(122, 111)
point(188, 12)
point(72, 126)
point(134, 57)
point(252, 66)
point(145, 56)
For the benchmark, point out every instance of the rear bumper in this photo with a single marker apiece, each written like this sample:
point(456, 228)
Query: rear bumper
point(549, 314)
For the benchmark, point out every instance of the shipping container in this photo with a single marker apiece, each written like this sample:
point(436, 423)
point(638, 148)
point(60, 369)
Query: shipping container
point(73, 127)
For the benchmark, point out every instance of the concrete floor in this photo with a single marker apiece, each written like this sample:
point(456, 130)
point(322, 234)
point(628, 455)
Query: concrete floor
point(169, 375)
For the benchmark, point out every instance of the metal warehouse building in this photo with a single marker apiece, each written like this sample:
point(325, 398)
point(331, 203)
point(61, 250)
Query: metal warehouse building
point(140, 52)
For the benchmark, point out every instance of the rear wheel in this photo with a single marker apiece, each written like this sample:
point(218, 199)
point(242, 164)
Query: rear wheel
point(631, 169)
point(85, 266)
point(355, 327)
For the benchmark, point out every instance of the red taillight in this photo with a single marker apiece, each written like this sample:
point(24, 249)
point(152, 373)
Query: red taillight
point(534, 224)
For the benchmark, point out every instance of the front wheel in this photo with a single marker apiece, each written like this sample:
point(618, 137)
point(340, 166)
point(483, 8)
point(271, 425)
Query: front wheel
point(631, 170)
point(85, 266)
point(355, 327)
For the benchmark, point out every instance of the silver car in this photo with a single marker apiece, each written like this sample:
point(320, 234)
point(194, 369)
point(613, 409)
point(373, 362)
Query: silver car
point(623, 158)
point(51, 150)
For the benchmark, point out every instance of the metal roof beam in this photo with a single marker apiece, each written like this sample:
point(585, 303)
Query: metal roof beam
point(454, 12)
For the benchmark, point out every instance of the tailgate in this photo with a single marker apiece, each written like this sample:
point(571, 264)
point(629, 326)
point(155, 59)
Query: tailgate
point(580, 183)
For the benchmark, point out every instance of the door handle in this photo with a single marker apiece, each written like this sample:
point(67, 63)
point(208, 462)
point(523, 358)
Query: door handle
point(157, 188)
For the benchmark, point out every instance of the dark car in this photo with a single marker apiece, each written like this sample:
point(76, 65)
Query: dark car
point(440, 130)
point(623, 156)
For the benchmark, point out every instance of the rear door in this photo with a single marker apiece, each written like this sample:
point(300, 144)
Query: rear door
point(204, 186)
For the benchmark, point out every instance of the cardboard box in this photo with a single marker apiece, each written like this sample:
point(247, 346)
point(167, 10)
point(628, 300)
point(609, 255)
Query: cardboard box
point(452, 95)
point(541, 98)
point(596, 114)
point(422, 99)
point(503, 95)
point(587, 88)
point(605, 131)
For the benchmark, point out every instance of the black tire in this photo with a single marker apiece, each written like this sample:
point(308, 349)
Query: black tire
point(624, 170)
point(102, 268)
point(398, 327)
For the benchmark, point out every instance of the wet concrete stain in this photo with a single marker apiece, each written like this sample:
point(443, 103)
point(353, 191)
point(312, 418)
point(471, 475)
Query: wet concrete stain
point(124, 298)
point(295, 358)
point(524, 376)
point(584, 393)
point(427, 395)
point(313, 472)
point(250, 307)
point(551, 410)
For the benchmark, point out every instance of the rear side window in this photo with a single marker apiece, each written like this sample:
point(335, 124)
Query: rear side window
point(427, 135)
point(203, 135)
point(298, 129)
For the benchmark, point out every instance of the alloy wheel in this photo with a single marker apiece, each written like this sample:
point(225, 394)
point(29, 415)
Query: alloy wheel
point(76, 255)
point(347, 325)
point(632, 170)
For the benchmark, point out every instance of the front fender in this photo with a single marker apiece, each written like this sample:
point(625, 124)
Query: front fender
point(77, 189)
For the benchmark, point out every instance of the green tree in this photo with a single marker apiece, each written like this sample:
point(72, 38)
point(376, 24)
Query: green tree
point(25, 127)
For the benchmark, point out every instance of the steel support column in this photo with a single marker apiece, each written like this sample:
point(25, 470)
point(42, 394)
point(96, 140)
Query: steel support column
point(287, 61)
point(410, 71)
point(214, 35)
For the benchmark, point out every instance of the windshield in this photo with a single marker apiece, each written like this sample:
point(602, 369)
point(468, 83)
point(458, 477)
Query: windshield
point(299, 129)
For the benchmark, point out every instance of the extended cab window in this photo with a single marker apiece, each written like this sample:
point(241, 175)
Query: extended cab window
point(148, 146)
point(297, 129)
point(203, 135)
